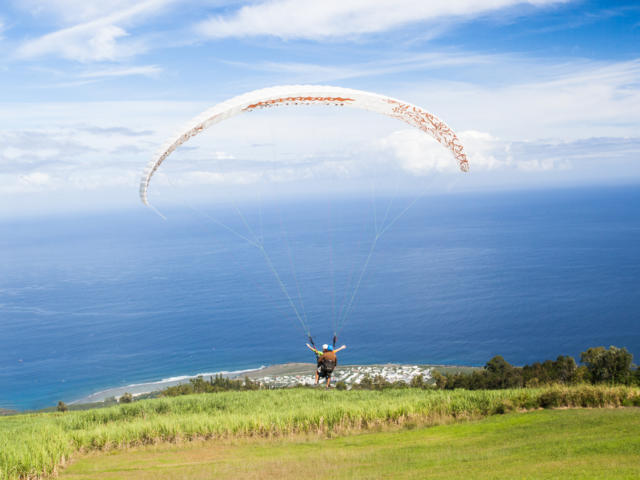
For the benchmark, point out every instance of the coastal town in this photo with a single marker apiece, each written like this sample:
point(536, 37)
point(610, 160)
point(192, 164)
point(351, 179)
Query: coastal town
point(290, 375)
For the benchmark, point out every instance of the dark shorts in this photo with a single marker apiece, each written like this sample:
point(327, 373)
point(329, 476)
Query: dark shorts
point(325, 371)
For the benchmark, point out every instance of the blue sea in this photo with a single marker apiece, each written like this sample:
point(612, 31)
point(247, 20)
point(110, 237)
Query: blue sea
point(95, 301)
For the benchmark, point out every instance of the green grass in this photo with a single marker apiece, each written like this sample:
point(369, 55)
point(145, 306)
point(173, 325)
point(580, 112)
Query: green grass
point(567, 444)
point(36, 444)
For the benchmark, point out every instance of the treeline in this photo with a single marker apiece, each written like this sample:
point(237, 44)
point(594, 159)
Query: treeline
point(611, 365)
point(214, 384)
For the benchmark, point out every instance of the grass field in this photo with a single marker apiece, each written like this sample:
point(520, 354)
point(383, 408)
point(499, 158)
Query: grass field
point(37, 444)
point(568, 444)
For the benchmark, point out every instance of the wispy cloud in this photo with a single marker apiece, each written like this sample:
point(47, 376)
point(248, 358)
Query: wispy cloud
point(144, 70)
point(127, 132)
point(69, 78)
point(72, 11)
point(65, 160)
point(26, 150)
point(63, 153)
point(572, 100)
point(313, 72)
point(99, 39)
point(338, 18)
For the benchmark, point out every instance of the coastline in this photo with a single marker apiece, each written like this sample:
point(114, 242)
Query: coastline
point(143, 388)
point(278, 376)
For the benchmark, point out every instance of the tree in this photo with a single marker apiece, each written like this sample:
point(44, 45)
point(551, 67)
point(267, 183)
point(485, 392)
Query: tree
point(582, 374)
point(366, 383)
point(251, 385)
point(439, 379)
point(126, 398)
point(497, 365)
point(418, 382)
point(608, 365)
point(594, 360)
point(565, 369)
point(62, 407)
point(500, 374)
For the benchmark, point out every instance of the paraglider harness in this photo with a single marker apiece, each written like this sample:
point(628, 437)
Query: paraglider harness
point(325, 365)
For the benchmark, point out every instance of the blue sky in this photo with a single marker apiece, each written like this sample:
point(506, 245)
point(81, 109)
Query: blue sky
point(543, 93)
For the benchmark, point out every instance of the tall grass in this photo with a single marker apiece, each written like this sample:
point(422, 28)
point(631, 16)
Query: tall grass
point(36, 444)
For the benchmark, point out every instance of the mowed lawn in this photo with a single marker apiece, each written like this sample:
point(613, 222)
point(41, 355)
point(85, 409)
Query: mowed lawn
point(567, 444)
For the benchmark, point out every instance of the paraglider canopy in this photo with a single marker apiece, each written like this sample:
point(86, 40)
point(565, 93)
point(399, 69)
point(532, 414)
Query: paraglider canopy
point(309, 95)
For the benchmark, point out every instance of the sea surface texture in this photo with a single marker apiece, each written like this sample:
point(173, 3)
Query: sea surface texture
point(108, 300)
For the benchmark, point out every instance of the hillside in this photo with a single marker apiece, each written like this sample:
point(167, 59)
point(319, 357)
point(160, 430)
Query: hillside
point(569, 444)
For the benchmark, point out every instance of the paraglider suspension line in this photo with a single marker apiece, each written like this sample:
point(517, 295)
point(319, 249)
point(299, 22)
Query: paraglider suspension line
point(284, 289)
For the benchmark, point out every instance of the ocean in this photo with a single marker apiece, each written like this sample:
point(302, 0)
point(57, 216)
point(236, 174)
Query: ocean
point(90, 302)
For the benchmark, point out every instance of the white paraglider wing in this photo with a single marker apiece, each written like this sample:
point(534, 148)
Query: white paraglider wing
point(310, 95)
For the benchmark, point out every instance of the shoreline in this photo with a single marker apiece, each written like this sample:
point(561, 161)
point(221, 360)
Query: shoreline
point(143, 388)
point(277, 376)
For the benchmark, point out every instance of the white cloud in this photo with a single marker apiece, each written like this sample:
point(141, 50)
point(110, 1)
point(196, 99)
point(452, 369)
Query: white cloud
point(485, 152)
point(417, 153)
point(95, 40)
point(339, 18)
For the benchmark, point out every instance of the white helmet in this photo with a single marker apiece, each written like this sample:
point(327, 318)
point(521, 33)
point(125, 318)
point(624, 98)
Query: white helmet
point(325, 346)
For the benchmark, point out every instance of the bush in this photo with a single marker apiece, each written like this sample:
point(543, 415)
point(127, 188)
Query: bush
point(341, 385)
point(62, 407)
point(590, 397)
point(505, 406)
point(550, 399)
